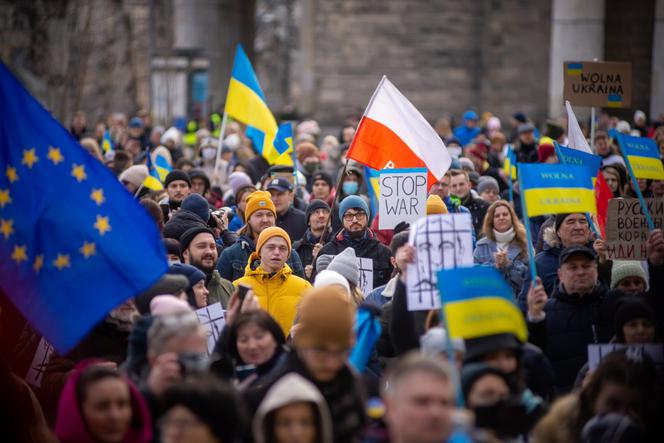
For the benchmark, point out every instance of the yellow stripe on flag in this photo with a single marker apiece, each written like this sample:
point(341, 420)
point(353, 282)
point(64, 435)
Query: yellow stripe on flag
point(646, 167)
point(484, 316)
point(546, 201)
point(152, 183)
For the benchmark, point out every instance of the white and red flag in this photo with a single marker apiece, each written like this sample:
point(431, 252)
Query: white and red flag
point(393, 134)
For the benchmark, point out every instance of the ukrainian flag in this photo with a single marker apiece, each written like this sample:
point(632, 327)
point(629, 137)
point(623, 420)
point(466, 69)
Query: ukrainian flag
point(246, 103)
point(510, 162)
point(556, 189)
point(574, 68)
point(373, 187)
point(107, 143)
point(477, 302)
point(642, 157)
point(614, 100)
point(283, 142)
point(153, 181)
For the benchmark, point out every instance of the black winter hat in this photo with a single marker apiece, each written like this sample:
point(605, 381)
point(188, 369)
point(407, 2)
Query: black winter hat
point(474, 371)
point(315, 204)
point(320, 175)
point(478, 347)
point(631, 308)
point(197, 204)
point(176, 174)
point(560, 218)
point(189, 234)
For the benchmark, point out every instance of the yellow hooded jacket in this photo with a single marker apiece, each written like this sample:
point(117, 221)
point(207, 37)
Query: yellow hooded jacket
point(278, 293)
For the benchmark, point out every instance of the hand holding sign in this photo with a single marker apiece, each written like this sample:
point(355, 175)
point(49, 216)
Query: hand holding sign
point(655, 247)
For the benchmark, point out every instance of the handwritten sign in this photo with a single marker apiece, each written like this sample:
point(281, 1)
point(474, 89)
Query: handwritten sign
point(365, 282)
point(39, 363)
point(441, 241)
point(403, 196)
point(213, 319)
point(602, 84)
point(597, 352)
point(627, 228)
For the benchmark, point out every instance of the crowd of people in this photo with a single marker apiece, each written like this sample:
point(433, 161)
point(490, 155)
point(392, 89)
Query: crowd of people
point(278, 246)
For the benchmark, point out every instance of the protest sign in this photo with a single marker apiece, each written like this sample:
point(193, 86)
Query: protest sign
point(597, 352)
point(627, 228)
point(601, 84)
point(365, 282)
point(441, 241)
point(403, 196)
point(39, 363)
point(213, 319)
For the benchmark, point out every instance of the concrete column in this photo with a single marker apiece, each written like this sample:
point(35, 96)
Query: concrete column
point(577, 33)
point(657, 85)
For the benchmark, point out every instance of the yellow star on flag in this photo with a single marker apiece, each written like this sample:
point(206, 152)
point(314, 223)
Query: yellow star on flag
point(4, 197)
point(97, 196)
point(88, 249)
point(102, 225)
point(55, 155)
point(38, 263)
point(78, 171)
point(61, 262)
point(12, 176)
point(6, 228)
point(29, 157)
point(19, 254)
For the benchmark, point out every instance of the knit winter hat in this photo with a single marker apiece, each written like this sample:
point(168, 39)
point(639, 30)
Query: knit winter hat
point(259, 200)
point(268, 233)
point(134, 175)
point(626, 268)
point(346, 264)
point(176, 174)
point(326, 317)
point(304, 150)
point(560, 218)
point(353, 202)
point(197, 204)
point(313, 206)
point(323, 261)
point(167, 284)
point(193, 274)
point(487, 182)
point(474, 371)
point(188, 236)
point(329, 278)
point(321, 175)
point(631, 308)
point(435, 205)
point(167, 305)
point(239, 180)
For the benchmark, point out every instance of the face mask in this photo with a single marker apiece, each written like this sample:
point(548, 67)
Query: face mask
point(208, 153)
point(350, 188)
point(310, 168)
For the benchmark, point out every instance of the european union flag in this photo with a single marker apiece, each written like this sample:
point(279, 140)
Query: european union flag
point(73, 242)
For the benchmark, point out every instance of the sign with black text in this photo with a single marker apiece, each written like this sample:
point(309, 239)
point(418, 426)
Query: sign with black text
point(601, 84)
point(403, 196)
point(627, 228)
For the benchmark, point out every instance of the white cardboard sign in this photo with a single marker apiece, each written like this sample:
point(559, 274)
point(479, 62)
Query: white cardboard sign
point(403, 196)
point(213, 319)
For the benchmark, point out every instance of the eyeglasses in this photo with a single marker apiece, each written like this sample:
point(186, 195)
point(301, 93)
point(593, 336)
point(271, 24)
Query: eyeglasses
point(350, 216)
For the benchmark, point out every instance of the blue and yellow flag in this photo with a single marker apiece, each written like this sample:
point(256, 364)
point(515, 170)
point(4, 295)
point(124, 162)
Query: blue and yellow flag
point(556, 188)
point(373, 186)
point(154, 181)
point(510, 162)
point(107, 142)
point(642, 155)
point(73, 242)
point(283, 142)
point(246, 103)
point(577, 157)
point(477, 302)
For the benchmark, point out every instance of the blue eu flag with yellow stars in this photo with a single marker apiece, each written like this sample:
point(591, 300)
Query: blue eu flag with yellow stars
point(73, 242)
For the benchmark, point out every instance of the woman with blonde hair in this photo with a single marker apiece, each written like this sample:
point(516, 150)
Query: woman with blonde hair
point(504, 246)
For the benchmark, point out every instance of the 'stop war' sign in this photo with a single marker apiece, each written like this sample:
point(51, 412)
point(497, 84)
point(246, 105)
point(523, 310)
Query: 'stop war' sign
point(601, 84)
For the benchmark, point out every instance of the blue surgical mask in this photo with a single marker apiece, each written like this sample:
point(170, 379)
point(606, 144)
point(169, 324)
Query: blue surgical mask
point(350, 188)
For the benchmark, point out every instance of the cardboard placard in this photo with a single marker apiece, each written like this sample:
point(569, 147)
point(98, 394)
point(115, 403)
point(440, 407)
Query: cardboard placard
point(39, 362)
point(601, 84)
point(442, 241)
point(627, 228)
point(403, 196)
point(597, 352)
point(213, 319)
point(366, 275)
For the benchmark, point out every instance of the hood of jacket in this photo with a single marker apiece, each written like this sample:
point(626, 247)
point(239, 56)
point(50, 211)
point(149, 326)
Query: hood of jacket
point(70, 425)
point(551, 239)
point(292, 388)
point(254, 269)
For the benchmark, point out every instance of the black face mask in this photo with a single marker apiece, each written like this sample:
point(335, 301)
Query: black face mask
point(506, 418)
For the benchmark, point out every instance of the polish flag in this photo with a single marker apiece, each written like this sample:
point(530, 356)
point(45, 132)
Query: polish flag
point(393, 134)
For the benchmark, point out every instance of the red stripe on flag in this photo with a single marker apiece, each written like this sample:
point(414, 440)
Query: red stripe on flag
point(377, 146)
point(602, 196)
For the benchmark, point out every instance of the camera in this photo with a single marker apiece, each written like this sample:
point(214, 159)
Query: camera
point(193, 363)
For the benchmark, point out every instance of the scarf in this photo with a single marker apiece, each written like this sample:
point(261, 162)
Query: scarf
point(503, 239)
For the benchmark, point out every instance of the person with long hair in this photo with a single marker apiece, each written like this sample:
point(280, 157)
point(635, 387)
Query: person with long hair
point(504, 246)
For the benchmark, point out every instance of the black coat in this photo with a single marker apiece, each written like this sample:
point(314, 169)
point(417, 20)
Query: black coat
point(477, 208)
point(368, 247)
point(572, 323)
point(180, 222)
point(293, 222)
point(305, 246)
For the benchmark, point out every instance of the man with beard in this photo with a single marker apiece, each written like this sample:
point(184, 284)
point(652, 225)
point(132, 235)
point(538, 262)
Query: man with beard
point(178, 186)
point(198, 248)
point(354, 214)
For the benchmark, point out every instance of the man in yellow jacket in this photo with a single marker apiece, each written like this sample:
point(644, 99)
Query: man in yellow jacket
point(278, 290)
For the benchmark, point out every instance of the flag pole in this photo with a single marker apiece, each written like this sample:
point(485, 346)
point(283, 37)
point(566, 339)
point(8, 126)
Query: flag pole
point(509, 175)
point(635, 183)
point(526, 222)
point(222, 132)
point(451, 358)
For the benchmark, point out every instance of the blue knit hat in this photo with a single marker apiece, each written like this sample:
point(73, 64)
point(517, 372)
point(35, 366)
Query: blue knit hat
point(197, 204)
point(350, 202)
point(193, 274)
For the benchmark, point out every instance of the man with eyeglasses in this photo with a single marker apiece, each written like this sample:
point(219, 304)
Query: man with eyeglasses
point(354, 214)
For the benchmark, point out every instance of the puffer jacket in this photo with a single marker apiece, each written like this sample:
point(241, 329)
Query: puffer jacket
point(278, 293)
point(289, 389)
point(516, 274)
point(180, 222)
point(367, 247)
point(233, 260)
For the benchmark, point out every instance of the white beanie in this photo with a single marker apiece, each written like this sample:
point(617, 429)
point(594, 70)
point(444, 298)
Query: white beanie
point(172, 134)
point(329, 278)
